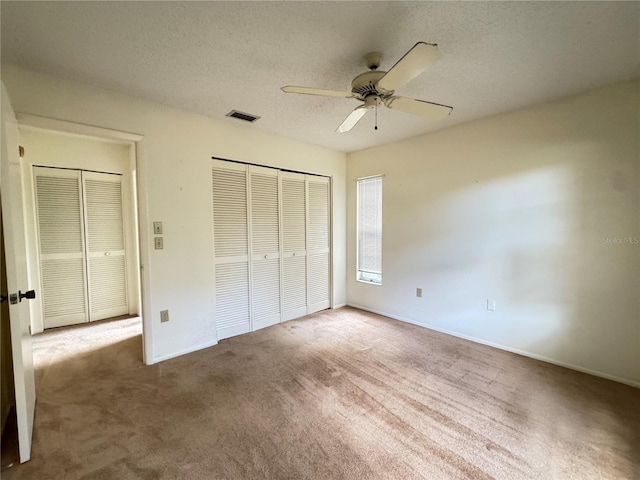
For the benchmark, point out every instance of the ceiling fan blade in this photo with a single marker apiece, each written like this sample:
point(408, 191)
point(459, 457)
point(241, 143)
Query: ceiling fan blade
point(418, 107)
point(410, 66)
point(316, 91)
point(353, 118)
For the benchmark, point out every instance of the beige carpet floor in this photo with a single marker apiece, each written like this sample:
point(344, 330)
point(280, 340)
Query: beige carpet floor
point(337, 395)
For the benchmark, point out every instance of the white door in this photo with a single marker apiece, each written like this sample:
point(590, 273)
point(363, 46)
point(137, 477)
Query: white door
point(104, 230)
point(318, 244)
point(16, 259)
point(231, 249)
point(294, 247)
point(82, 251)
point(265, 247)
point(61, 234)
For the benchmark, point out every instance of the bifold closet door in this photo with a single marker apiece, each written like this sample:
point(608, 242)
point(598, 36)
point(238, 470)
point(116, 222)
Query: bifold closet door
point(318, 244)
point(104, 230)
point(231, 248)
point(62, 249)
point(265, 247)
point(294, 245)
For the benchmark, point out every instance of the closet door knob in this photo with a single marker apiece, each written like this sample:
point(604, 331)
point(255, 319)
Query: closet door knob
point(106, 254)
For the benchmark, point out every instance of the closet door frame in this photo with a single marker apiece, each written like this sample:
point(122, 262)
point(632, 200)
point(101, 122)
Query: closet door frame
point(252, 257)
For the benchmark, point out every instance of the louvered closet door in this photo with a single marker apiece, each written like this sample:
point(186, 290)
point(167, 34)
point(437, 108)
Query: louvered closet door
point(294, 247)
point(106, 261)
point(61, 242)
point(318, 244)
point(265, 247)
point(231, 248)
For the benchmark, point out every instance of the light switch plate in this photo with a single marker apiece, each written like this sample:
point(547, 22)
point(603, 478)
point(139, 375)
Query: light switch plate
point(164, 316)
point(419, 292)
point(158, 243)
point(157, 228)
point(491, 305)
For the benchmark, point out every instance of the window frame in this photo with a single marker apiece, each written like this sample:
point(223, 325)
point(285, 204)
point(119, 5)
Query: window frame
point(361, 274)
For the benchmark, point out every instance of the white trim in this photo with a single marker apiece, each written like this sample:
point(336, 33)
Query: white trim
point(505, 348)
point(381, 175)
point(144, 245)
point(341, 305)
point(202, 346)
point(35, 122)
point(256, 163)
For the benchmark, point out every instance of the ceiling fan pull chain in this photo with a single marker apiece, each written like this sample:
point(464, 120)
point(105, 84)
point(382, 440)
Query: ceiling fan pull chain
point(376, 125)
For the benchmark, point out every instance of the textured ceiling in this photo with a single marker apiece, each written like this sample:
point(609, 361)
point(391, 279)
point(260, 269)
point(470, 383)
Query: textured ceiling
point(211, 57)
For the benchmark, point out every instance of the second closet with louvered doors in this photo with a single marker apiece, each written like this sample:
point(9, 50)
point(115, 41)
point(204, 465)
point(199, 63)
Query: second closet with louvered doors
point(81, 243)
point(272, 239)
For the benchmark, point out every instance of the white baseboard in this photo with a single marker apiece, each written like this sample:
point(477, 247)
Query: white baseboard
point(502, 347)
point(202, 346)
point(340, 305)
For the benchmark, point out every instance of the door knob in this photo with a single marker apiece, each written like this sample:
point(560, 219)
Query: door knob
point(30, 295)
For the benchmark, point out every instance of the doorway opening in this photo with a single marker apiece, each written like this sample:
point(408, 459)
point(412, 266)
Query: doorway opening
point(81, 212)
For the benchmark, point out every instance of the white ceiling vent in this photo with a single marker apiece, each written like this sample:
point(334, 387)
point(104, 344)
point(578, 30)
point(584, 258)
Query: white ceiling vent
point(247, 117)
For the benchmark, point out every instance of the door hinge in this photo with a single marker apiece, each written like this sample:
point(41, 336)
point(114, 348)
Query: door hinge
point(13, 298)
point(21, 151)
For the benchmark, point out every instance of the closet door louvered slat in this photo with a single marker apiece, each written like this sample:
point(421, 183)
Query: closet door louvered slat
point(318, 244)
point(231, 249)
point(106, 259)
point(61, 241)
point(294, 245)
point(265, 247)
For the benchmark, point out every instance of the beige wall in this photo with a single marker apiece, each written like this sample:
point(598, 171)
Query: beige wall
point(525, 209)
point(174, 164)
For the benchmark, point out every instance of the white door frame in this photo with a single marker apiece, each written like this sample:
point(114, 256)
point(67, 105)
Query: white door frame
point(138, 194)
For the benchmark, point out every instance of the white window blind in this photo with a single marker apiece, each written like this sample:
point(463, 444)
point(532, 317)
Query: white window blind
point(370, 230)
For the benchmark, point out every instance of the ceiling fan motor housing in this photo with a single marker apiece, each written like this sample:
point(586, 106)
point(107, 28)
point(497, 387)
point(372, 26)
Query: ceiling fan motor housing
point(366, 84)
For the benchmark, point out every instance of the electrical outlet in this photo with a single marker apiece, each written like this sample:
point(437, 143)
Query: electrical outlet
point(158, 243)
point(157, 228)
point(164, 316)
point(419, 292)
point(491, 305)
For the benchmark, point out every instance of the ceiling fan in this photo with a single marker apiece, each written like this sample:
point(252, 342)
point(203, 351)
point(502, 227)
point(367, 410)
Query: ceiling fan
point(377, 87)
